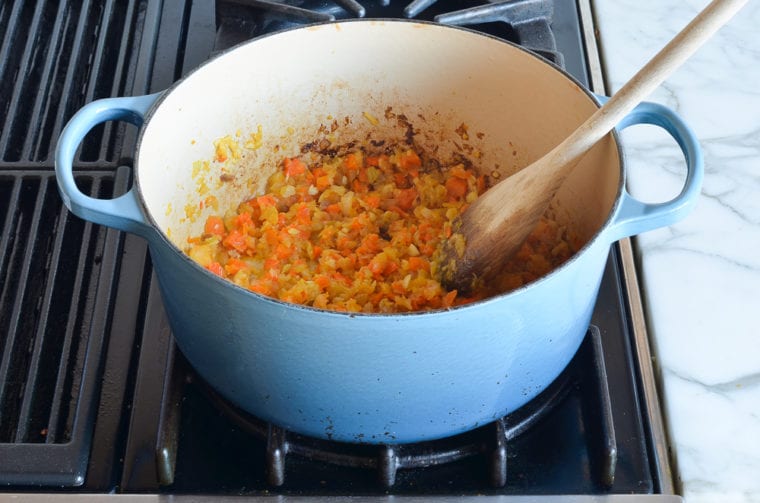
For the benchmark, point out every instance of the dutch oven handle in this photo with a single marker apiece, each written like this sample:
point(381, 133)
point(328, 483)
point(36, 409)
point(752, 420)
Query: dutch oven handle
point(633, 216)
point(123, 212)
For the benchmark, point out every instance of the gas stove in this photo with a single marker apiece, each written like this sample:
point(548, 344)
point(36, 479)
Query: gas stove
point(96, 401)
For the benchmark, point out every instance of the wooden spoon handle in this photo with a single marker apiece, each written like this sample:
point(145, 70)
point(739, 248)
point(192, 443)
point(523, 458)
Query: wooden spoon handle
point(497, 223)
point(659, 68)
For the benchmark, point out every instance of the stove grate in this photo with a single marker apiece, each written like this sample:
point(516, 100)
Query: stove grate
point(490, 442)
point(58, 274)
point(526, 22)
point(54, 58)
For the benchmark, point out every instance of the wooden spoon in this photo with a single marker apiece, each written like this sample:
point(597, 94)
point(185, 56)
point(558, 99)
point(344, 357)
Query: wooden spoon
point(496, 224)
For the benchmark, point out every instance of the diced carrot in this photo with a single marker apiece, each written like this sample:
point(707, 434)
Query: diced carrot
point(214, 225)
point(342, 278)
point(427, 249)
point(260, 287)
point(398, 287)
point(448, 299)
point(398, 210)
point(352, 161)
point(270, 236)
point(405, 198)
point(235, 239)
point(345, 243)
point(233, 266)
point(322, 281)
point(418, 263)
point(372, 200)
point(293, 166)
point(271, 263)
point(359, 187)
point(377, 264)
point(425, 232)
point(216, 268)
point(391, 267)
point(363, 176)
point(456, 187)
point(401, 180)
point(243, 220)
point(265, 200)
point(323, 181)
point(334, 209)
point(283, 251)
point(303, 215)
point(409, 160)
point(357, 223)
point(305, 193)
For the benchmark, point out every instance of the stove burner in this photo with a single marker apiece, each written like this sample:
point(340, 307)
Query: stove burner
point(489, 441)
point(526, 22)
point(292, 12)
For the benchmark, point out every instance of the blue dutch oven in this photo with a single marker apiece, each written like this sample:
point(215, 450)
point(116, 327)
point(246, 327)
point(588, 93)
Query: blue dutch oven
point(374, 378)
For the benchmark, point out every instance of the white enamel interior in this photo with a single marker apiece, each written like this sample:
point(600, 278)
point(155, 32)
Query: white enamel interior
point(516, 108)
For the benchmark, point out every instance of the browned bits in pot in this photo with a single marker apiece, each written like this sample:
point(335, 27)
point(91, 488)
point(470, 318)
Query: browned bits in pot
point(462, 132)
point(309, 147)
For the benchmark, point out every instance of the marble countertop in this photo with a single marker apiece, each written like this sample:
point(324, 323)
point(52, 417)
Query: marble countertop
point(701, 277)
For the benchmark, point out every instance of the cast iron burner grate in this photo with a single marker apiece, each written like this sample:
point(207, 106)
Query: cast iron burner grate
point(58, 274)
point(526, 22)
point(490, 441)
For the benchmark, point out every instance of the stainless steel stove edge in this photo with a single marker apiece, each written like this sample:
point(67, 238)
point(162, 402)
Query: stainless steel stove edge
point(162, 498)
point(650, 393)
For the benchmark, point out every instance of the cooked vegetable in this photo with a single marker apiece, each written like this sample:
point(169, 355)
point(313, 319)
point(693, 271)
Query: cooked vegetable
point(358, 232)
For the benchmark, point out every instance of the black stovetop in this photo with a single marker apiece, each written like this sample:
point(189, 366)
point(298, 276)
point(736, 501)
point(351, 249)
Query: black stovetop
point(93, 394)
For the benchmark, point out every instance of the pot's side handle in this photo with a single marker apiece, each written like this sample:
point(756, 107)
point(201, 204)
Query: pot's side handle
point(633, 216)
point(123, 212)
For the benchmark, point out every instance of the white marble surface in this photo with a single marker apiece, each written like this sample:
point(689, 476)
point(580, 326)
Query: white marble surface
point(701, 277)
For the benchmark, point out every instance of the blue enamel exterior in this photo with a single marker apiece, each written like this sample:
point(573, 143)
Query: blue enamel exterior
point(123, 212)
point(376, 378)
point(634, 217)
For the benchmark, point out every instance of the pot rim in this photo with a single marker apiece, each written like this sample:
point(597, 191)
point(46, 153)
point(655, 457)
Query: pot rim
point(160, 234)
